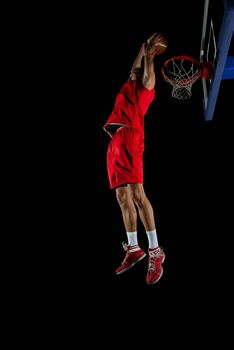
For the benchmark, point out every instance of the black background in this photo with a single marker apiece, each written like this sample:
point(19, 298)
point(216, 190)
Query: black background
point(187, 160)
point(187, 173)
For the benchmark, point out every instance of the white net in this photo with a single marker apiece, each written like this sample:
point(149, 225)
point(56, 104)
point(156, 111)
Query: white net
point(181, 72)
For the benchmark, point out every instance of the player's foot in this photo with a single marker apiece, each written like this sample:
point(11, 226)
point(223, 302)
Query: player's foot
point(133, 255)
point(155, 270)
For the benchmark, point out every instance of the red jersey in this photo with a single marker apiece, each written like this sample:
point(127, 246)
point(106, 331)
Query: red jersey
point(130, 107)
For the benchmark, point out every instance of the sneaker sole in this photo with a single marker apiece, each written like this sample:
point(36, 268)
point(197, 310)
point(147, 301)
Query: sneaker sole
point(129, 267)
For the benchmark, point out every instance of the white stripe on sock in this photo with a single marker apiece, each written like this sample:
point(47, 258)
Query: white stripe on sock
point(132, 238)
point(152, 238)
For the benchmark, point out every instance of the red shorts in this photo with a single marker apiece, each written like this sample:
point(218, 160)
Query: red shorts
point(125, 157)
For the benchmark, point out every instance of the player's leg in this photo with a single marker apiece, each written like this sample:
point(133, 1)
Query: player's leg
point(133, 252)
point(144, 206)
point(156, 254)
point(127, 206)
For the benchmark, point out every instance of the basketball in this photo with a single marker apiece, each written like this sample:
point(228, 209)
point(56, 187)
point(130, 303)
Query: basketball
point(159, 41)
point(161, 45)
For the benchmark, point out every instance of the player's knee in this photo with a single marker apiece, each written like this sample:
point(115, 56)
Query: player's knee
point(139, 198)
point(122, 198)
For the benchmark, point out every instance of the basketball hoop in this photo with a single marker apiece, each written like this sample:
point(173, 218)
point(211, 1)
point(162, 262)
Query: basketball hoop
point(182, 72)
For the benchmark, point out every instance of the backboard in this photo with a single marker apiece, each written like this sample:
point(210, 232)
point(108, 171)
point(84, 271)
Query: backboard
point(217, 47)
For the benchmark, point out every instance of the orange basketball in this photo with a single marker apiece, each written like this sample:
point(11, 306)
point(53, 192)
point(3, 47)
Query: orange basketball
point(160, 45)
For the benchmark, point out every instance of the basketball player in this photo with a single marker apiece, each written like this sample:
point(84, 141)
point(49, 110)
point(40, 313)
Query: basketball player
point(125, 126)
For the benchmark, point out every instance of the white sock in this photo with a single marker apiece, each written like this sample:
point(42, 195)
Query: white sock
point(152, 238)
point(132, 238)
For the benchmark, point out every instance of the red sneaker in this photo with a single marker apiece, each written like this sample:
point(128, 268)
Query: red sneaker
point(133, 255)
point(155, 270)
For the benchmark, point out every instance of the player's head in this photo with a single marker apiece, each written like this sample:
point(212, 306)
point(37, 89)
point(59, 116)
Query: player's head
point(136, 74)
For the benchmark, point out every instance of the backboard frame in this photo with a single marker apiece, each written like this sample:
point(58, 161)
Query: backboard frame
point(223, 63)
